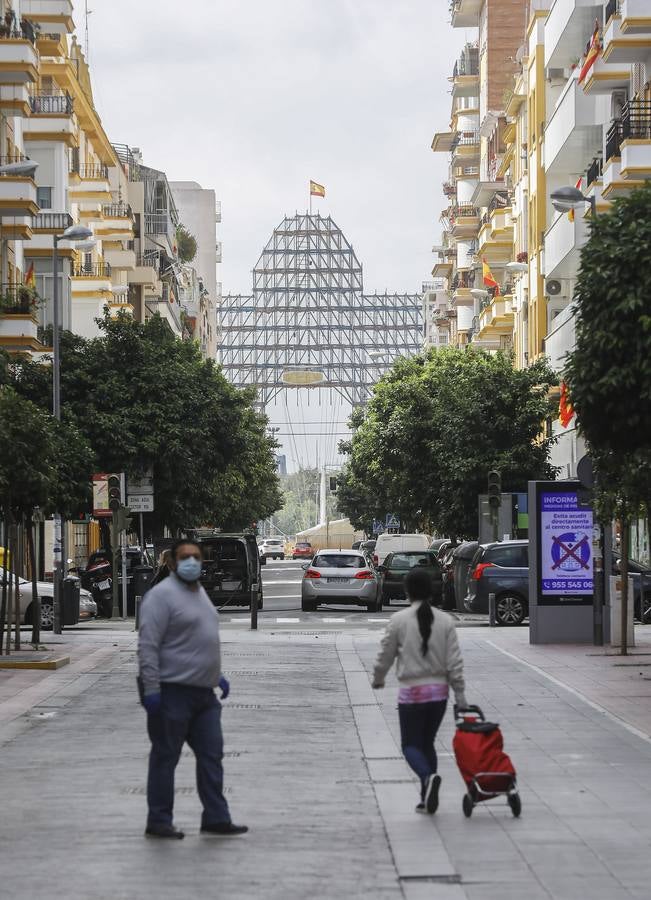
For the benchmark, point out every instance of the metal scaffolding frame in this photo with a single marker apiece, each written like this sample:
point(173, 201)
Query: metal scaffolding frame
point(308, 311)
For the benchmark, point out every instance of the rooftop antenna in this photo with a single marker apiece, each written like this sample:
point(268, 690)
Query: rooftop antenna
point(87, 13)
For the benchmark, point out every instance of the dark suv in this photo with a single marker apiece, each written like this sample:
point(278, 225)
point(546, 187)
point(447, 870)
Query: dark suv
point(501, 569)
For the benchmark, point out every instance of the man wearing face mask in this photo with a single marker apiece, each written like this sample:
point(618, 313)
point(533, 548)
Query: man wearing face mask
point(180, 666)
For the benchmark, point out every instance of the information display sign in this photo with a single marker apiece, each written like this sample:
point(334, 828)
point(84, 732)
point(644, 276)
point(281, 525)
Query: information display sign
point(566, 563)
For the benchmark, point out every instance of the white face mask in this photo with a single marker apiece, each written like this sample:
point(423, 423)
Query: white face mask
point(189, 569)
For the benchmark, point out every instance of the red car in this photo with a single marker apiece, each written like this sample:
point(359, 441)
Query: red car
point(303, 550)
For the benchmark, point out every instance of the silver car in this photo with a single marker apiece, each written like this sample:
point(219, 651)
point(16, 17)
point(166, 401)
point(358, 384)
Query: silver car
point(340, 577)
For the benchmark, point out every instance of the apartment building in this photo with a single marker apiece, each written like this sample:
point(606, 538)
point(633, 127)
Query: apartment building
point(478, 226)
point(437, 314)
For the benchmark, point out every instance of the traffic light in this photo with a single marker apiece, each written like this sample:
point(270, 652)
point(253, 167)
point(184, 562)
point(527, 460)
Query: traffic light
point(494, 489)
point(114, 492)
point(333, 483)
point(123, 519)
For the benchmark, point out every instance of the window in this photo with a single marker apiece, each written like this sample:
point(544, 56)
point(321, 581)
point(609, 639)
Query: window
point(338, 561)
point(508, 556)
point(44, 197)
point(409, 560)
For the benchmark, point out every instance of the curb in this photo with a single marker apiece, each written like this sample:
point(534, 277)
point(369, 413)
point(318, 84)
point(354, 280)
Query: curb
point(54, 663)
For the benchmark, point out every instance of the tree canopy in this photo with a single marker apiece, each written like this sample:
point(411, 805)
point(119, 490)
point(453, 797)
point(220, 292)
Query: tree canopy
point(609, 371)
point(434, 427)
point(186, 244)
point(143, 399)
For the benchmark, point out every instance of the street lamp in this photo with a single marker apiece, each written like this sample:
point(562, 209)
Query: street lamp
point(517, 267)
point(566, 198)
point(73, 233)
point(479, 293)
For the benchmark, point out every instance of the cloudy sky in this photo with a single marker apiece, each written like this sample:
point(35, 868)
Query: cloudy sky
point(255, 97)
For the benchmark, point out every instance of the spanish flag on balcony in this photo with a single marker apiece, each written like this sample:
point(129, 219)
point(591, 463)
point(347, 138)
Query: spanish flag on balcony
point(593, 51)
point(565, 408)
point(316, 190)
point(30, 277)
point(570, 214)
point(489, 281)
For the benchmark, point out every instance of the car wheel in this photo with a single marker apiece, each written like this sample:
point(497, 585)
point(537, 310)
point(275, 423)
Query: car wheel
point(47, 615)
point(510, 610)
point(308, 606)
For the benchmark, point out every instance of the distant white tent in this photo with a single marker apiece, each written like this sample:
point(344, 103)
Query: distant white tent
point(338, 534)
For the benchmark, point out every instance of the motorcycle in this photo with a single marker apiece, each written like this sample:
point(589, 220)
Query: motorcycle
point(97, 578)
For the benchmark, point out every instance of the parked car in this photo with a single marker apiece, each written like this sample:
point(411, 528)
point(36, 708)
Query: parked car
point(398, 543)
point(395, 568)
point(87, 606)
point(440, 546)
point(447, 577)
point(340, 577)
point(367, 548)
point(272, 548)
point(461, 560)
point(303, 550)
point(231, 572)
point(356, 545)
point(501, 569)
point(641, 575)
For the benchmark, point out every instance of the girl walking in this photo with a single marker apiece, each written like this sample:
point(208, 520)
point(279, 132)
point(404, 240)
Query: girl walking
point(428, 663)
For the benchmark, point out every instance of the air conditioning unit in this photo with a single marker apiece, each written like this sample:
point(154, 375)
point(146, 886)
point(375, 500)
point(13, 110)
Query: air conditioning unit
point(552, 74)
point(553, 287)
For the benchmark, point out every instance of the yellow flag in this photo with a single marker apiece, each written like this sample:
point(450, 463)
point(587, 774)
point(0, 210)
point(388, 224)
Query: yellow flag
point(316, 190)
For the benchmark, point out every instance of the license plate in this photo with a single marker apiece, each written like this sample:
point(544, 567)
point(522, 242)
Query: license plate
point(103, 585)
point(337, 581)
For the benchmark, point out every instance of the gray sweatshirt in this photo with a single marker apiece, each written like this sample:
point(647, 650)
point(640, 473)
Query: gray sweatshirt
point(178, 637)
point(402, 641)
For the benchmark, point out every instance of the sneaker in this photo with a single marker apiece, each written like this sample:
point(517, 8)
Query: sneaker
point(421, 809)
point(432, 794)
point(164, 831)
point(224, 829)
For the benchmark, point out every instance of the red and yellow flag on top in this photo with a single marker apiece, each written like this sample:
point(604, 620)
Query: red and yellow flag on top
point(570, 214)
point(30, 277)
point(565, 408)
point(593, 51)
point(489, 281)
point(316, 190)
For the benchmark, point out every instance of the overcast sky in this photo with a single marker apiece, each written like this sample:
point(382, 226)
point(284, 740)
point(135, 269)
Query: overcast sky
point(255, 97)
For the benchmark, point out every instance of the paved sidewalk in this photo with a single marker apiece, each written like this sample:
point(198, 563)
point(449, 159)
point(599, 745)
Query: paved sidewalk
point(313, 767)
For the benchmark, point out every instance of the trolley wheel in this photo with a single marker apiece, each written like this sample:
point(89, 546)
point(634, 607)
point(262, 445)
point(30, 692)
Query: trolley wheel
point(516, 804)
point(468, 805)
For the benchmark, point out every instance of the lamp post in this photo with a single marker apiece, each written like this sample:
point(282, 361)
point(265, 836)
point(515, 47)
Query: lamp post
point(73, 233)
point(566, 198)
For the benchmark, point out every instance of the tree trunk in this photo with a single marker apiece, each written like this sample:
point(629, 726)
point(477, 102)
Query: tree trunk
point(5, 577)
point(18, 549)
point(623, 570)
point(36, 600)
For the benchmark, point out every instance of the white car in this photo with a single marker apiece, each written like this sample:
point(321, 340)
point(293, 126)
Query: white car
point(273, 548)
point(87, 606)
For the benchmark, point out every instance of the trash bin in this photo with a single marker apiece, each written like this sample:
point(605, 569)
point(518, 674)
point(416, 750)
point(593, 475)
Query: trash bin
point(70, 600)
point(142, 576)
point(462, 557)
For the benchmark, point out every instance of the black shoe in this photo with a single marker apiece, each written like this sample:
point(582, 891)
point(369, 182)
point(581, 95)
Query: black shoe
point(432, 794)
point(164, 831)
point(224, 829)
point(420, 808)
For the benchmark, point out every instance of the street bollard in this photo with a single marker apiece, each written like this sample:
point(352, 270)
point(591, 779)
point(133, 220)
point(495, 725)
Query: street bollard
point(491, 611)
point(254, 610)
point(138, 601)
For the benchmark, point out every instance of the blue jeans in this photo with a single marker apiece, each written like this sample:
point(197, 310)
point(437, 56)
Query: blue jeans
point(419, 724)
point(191, 714)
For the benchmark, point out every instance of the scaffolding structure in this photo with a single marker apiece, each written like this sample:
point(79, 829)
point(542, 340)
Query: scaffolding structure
point(308, 322)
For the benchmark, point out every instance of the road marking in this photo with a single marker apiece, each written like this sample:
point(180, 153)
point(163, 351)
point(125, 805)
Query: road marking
point(287, 620)
point(269, 583)
point(333, 620)
point(377, 620)
point(596, 706)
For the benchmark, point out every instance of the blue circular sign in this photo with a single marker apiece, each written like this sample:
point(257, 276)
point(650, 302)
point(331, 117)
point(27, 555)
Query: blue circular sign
point(571, 552)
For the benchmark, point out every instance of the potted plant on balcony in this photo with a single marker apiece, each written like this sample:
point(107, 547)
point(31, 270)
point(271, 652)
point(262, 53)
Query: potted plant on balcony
point(19, 300)
point(522, 257)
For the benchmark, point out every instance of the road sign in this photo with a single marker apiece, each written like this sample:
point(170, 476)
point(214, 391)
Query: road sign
point(140, 503)
point(101, 507)
point(392, 521)
point(141, 484)
point(378, 527)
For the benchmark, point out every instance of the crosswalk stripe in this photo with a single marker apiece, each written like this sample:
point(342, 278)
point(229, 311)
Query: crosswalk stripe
point(279, 621)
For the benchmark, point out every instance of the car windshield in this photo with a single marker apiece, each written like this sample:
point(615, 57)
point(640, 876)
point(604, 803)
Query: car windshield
point(338, 561)
point(303, 546)
point(270, 541)
point(409, 560)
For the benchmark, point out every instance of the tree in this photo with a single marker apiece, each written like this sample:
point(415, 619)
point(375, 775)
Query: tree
point(186, 244)
point(435, 426)
point(144, 399)
point(609, 371)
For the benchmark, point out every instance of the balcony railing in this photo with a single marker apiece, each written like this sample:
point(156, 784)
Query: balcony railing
point(466, 66)
point(93, 171)
point(464, 139)
point(94, 270)
point(500, 200)
point(116, 211)
point(12, 158)
point(636, 119)
point(51, 104)
point(463, 211)
point(52, 221)
point(595, 170)
point(12, 29)
point(158, 223)
point(18, 300)
point(463, 280)
point(149, 260)
point(613, 140)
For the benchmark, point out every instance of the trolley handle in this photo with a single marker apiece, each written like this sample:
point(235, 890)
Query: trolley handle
point(459, 711)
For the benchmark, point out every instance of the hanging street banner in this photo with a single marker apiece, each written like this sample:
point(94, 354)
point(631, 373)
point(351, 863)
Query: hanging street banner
point(566, 564)
point(100, 496)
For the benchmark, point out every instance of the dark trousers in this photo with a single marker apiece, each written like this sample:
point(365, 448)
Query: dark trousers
point(419, 724)
point(192, 715)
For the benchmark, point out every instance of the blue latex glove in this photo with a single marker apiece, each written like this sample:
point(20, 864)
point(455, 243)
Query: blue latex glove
point(224, 686)
point(152, 703)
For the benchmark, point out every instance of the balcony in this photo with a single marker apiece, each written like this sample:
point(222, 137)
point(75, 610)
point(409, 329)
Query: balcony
point(622, 47)
point(52, 104)
point(465, 13)
point(563, 241)
point(561, 338)
point(635, 146)
point(574, 130)
point(568, 27)
point(465, 76)
point(465, 148)
point(147, 270)
point(18, 55)
point(464, 219)
point(90, 181)
point(14, 100)
point(93, 280)
point(17, 193)
point(496, 318)
point(218, 211)
point(635, 17)
point(94, 270)
point(604, 77)
point(53, 15)
point(614, 182)
point(120, 259)
point(52, 119)
point(18, 300)
point(52, 223)
point(51, 43)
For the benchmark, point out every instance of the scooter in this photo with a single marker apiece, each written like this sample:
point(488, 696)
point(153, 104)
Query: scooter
point(97, 578)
